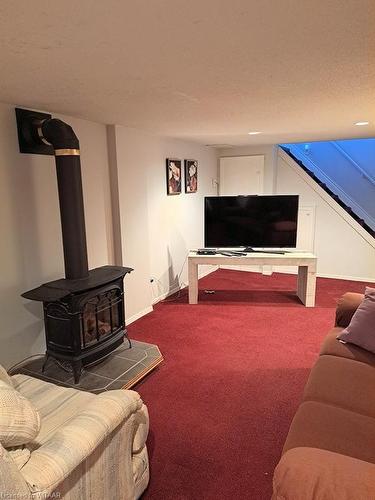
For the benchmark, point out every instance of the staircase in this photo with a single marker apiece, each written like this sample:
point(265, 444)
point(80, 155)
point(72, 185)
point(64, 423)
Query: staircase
point(329, 191)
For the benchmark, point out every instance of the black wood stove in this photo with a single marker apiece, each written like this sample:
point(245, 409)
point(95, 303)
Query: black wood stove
point(83, 312)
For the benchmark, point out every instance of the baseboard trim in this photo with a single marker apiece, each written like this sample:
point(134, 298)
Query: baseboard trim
point(329, 276)
point(176, 289)
point(163, 296)
point(346, 278)
point(245, 269)
point(208, 271)
point(139, 314)
point(282, 270)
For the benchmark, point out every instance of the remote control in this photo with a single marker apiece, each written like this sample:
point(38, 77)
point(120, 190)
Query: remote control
point(206, 251)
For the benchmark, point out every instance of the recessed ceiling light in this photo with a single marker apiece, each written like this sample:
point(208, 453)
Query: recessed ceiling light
point(254, 133)
point(361, 124)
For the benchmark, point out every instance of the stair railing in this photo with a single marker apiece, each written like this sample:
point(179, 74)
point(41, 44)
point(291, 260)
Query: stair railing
point(364, 174)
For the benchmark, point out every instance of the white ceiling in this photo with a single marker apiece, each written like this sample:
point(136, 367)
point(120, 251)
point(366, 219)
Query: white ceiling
point(203, 70)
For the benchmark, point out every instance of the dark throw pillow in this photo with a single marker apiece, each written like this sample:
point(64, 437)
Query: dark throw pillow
point(361, 329)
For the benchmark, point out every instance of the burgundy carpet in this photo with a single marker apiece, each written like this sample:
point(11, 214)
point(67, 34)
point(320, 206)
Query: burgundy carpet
point(235, 367)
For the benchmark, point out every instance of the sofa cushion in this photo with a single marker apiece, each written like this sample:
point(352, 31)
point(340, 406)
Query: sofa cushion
point(311, 474)
point(19, 420)
point(56, 405)
point(361, 330)
point(334, 347)
point(5, 377)
point(346, 307)
point(319, 425)
point(342, 382)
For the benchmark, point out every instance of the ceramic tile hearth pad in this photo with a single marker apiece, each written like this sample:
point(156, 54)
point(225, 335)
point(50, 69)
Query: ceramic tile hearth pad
point(122, 369)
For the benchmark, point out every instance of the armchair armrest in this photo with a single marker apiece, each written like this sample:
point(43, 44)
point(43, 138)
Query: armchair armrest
point(70, 445)
point(346, 307)
point(12, 484)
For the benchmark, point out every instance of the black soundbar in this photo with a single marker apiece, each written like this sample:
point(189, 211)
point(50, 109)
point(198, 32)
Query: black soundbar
point(211, 251)
point(251, 250)
point(229, 253)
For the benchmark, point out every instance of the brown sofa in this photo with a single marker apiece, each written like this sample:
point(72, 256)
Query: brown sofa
point(329, 453)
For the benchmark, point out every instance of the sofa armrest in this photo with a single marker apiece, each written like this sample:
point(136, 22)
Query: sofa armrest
point(314, 474)
point(70, 445)
point(346, 307)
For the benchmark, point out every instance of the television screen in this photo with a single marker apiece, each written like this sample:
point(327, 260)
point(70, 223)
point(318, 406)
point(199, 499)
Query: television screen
point(268, 221)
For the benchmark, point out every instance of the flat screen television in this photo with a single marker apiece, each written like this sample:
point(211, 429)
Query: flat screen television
point(266, 221)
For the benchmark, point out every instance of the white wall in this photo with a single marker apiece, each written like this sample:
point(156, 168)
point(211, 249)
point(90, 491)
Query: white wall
point(31, 246)
point(157, 230)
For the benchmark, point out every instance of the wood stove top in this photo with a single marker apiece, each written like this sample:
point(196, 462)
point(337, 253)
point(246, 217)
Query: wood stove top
point(58, 289)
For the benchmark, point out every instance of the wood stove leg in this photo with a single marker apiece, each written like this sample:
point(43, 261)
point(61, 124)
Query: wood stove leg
point(45, 363)
point(77, 370)
point(128, 339)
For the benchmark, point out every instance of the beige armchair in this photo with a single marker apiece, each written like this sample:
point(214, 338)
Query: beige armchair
point(89, 446)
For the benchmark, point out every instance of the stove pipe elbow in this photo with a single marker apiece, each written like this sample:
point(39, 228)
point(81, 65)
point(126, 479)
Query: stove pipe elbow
point(59, 134)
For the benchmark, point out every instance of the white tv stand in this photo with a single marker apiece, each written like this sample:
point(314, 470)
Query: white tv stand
point(305, 261)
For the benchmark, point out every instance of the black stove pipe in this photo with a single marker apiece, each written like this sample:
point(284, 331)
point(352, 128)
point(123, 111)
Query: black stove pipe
point(69, 180)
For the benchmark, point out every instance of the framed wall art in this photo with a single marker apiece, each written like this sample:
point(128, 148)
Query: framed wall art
point(191, 176)
point(173, 176)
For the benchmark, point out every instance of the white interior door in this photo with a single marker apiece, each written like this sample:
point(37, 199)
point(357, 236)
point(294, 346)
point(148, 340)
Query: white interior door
point(241, 175)
point(306, 228)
